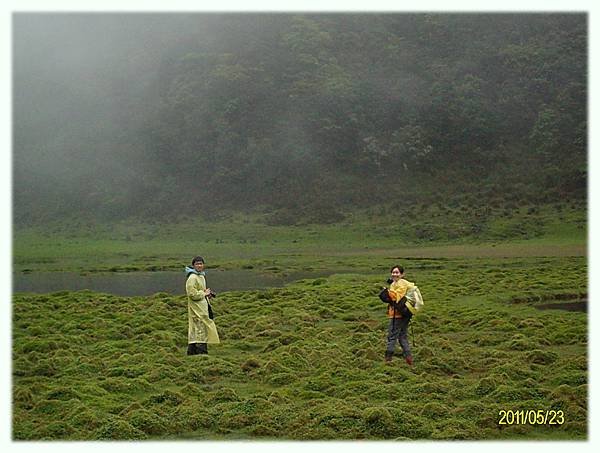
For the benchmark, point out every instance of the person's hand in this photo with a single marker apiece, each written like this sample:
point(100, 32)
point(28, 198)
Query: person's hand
point(207, 291)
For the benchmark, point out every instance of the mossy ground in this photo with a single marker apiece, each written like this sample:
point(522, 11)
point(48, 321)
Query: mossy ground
point(306, 361)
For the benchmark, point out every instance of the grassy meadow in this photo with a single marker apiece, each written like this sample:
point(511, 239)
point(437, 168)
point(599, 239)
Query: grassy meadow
point(235, 241)
point(305, 361)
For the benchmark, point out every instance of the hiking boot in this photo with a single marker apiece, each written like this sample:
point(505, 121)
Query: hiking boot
point(202, 348)
point(191, 349)
point(409, 359)
point(388, 357)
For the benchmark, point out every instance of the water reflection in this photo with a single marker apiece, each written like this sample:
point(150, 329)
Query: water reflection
point(580, 305)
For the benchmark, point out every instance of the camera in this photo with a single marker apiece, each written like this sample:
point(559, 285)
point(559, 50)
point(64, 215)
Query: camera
point(212, 294)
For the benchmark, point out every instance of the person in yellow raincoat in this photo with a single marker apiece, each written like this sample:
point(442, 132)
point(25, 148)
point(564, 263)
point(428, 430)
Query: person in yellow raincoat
point(201, 328)
point(399, 319)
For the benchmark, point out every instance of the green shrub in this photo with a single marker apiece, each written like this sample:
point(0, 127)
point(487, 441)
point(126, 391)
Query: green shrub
point(118, 429)
point(458, 429)
point(23, 397)
point(434, 410)
point(223, 394)
point(250, 364)
point(485, 386)
point(261, 430)
point(62, 393)
point(148, 422)
point(520, 342)
point(542, 357)
point(279, 379)
point(85, 420)
point(167, 397)
point(379, 422)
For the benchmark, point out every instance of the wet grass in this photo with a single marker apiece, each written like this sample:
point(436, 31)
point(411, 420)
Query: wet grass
point(360, 241)
point(306, 361)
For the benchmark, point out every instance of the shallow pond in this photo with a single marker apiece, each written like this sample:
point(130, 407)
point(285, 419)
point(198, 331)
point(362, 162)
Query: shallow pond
point(146, 283)
point(579, 305)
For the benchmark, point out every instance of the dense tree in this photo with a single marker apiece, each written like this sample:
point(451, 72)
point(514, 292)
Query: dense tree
point(292, 111)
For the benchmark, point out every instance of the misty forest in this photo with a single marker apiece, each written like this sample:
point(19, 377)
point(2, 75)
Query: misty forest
point(303, 155)
point(159, 117)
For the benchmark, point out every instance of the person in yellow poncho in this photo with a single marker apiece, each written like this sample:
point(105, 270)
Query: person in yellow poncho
point(398, 328)
point(201, 328)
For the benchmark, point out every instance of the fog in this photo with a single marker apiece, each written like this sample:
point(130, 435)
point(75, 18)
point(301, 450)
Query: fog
point(85, 87)
point(120, 114)
point(79, 81)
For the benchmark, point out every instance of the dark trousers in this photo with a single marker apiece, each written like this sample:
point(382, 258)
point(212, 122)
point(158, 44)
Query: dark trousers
point(197, 348)
point(398, 331)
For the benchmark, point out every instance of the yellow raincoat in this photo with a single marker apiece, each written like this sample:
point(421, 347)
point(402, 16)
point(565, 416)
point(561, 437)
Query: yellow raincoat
point(398, 288)
point(201, 329)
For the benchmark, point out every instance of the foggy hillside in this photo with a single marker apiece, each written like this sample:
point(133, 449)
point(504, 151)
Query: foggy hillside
point(166, 115)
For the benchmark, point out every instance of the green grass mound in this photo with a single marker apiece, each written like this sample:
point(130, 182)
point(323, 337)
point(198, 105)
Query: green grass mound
point(305, 362)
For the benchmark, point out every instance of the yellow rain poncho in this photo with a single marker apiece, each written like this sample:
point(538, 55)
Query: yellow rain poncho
point(201, 329)
point(398, 290)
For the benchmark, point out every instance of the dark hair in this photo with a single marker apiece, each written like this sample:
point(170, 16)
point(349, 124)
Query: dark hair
point(400, 268)
point(196, 259)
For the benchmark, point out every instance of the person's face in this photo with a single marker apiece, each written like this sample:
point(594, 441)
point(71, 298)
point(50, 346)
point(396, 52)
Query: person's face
point(396, 274)
point(199, 266)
